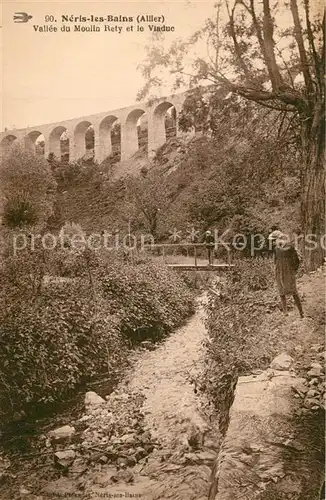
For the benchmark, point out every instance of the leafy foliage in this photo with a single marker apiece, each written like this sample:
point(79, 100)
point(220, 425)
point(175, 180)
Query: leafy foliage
point(148, 199)
point(52, 342)
point(148, 298)
point(250, 54)
point(27, 186)
point(242, 172)
point(58, 333)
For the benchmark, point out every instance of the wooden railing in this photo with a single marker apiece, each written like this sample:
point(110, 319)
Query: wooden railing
point(194, 246)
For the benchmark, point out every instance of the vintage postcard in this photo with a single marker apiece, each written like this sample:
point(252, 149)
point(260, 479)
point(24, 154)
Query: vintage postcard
point(162, 250)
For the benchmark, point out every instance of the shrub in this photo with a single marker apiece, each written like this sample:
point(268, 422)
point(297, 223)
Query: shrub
point(28, 188)
point(149, 299)
point(57, 333)
point(52, 342)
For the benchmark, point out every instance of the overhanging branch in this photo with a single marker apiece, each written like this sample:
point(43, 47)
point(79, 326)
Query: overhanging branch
point(302, 51)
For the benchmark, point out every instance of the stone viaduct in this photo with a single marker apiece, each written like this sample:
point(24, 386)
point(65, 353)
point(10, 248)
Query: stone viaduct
point(102, 123)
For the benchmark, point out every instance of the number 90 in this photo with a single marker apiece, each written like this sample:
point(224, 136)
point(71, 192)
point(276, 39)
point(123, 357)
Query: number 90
point(49, 19)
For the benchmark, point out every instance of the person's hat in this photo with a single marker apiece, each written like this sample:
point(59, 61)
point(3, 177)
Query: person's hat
point(208, 232)
point(276, 235)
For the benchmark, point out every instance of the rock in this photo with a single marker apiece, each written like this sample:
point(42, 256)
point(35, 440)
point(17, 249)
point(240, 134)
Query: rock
point(202, 457)
point(316, 370)
point(149, 448)
point(79, 466)
point(206, 456)
point(256, 372)
point(300, 388)
point(282, 362)
point(121, 462)
point(62, 433)
point(103, 478)
point(64, 458)
point(128, 438)
point(211, 444)
point(190, 458)
point(123, 476)
point(316, 366)
point(131, 461)
point(140, 453)
point(93, 400)
point(84, 418)
point(312, 393)
point(147, 344)
point(111, 453)
point(146, 437)
point(317, 348)
point(311, 404)
point(24, 491)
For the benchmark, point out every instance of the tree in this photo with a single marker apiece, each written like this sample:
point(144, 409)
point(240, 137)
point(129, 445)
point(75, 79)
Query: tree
point(149, 199)
point(252, 56)
point(27, 188)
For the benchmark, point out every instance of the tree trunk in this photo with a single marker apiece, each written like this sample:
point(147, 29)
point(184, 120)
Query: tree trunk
point(313, 188)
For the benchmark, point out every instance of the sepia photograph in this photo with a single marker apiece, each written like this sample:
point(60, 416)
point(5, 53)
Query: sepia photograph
point(162, 250)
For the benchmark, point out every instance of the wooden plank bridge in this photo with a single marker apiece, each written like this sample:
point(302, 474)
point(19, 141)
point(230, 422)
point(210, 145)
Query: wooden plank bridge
point(197, 263)
point(200, 267)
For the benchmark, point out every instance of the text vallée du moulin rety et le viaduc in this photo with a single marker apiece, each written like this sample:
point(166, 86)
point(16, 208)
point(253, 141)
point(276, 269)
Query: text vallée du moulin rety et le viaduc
point(108, 23)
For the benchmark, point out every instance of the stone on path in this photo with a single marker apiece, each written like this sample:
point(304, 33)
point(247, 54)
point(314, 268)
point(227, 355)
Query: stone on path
point(282, 362)
point(92, 400)
point(62, 433)
point(315, 371)
point(64, 458)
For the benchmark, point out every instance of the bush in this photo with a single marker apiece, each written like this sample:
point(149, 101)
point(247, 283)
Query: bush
point(236, 342)
point(57, 333)
point(52, 342)
point(148, 298)
point(28, 188)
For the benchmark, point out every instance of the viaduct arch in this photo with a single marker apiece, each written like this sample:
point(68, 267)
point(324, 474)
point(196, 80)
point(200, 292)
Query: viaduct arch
point(102, 123)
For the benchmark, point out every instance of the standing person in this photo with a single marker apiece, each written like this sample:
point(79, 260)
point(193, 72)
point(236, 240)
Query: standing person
point(209, 242)
point(286, 265)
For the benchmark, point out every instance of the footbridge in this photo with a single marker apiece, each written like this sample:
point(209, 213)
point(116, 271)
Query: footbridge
point(188, 256)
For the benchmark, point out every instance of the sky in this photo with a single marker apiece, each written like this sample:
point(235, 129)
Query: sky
point(53, 76)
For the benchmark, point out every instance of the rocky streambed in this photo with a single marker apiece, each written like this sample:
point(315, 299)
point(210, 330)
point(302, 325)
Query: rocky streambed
point(150, 438)
point(155, 436)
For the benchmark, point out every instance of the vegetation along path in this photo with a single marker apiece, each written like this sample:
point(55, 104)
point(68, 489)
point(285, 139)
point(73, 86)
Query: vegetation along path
point(155, 436)
point(159, 438)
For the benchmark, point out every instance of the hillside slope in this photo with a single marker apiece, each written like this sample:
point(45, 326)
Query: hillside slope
point(245, 176)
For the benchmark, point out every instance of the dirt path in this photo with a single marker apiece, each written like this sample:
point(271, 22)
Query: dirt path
point(158, 397)
point(181, 467)
point(166, 378)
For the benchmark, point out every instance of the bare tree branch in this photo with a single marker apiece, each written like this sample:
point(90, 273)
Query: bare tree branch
point(268, 29)
point(312, 46)
point(237, 49)
point(323, 53)
point(260, 38)
point(302, 52)
point(286, 67)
